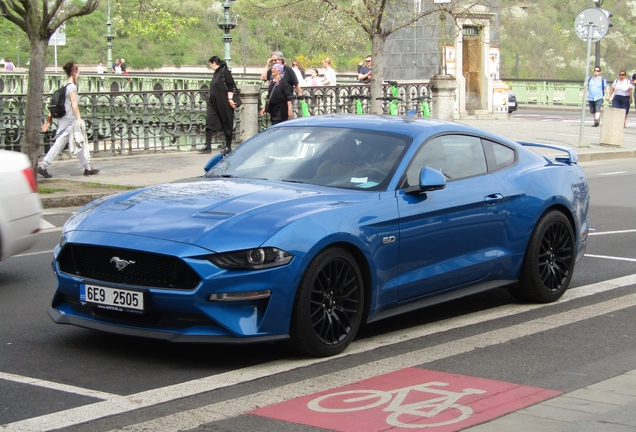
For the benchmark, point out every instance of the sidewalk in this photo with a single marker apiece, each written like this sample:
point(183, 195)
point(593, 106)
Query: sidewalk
point(150, 169)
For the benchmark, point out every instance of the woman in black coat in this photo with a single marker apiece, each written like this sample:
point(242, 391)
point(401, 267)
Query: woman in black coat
point(279, 105)
point(220, 111)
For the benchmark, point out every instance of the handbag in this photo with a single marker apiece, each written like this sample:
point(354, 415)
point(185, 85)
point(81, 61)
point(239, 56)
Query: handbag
point(236, 94)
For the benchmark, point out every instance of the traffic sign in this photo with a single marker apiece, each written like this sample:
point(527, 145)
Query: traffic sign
point(591, 23)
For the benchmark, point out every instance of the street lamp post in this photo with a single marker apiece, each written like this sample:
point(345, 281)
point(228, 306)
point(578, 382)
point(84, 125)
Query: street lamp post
point(227, 23)
point(110, 35)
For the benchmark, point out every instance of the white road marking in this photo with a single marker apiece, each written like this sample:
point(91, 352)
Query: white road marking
point(122, 404)
point(191, 419)
point(56, 386)
point(612, 258)
point(33, 253)
point(613, 173)
point(54, 229)
point(612, 232)
point(45, 225)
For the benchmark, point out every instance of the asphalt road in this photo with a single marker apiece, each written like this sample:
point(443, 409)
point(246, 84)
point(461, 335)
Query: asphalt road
point(54, 376)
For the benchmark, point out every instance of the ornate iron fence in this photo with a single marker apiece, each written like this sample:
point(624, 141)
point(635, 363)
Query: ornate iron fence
point(162, 120)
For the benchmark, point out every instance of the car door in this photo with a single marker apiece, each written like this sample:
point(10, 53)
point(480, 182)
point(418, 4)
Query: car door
point(449, 237)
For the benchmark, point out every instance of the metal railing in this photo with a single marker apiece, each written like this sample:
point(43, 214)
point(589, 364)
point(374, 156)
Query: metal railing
point(547, 93)
point(162, 120)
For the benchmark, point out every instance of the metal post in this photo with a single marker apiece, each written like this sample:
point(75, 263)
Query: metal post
point(598, 42)
point(442, 42)
point(587, 74)
point(110, 35)
point(244, 48)
point(55, 49)
point(227, 24)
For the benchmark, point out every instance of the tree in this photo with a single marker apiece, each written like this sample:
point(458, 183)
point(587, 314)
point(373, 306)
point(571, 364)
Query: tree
point(381, 18)
point(39, 20)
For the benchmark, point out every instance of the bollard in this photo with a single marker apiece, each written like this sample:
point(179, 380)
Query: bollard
point(612, 127)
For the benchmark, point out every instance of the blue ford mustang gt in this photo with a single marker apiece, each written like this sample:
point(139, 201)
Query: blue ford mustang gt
point(317, 225)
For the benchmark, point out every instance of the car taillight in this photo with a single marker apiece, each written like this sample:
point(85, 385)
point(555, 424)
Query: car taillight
point(30, 176)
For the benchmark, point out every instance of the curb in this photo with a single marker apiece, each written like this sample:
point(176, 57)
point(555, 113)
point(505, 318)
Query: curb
point(597, 156)
point(76, 200)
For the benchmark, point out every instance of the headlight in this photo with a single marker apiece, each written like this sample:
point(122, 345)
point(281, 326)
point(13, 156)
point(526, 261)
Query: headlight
point(251, 259)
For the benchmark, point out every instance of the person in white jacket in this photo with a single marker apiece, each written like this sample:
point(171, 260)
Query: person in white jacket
point(64, 126)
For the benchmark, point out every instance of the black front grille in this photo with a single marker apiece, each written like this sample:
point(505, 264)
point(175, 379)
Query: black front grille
point(148, 269)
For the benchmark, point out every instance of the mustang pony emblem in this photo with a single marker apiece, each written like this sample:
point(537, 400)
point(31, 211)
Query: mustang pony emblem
point(120, 263)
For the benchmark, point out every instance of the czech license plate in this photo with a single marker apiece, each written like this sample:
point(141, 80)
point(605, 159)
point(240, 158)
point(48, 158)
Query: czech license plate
point(117, 299)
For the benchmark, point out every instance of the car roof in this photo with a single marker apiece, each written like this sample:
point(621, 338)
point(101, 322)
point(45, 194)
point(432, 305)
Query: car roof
point(409, 126)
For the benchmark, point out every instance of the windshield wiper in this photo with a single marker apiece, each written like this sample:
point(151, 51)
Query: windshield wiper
point(292, 181)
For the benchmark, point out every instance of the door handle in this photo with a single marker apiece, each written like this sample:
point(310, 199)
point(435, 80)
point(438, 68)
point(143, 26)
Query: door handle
point(493, 199)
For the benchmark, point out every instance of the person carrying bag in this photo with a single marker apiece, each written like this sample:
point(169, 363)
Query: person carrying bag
point(221, 105)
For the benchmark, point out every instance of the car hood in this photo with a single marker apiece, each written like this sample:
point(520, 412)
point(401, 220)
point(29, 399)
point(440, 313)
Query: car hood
point(211, 213)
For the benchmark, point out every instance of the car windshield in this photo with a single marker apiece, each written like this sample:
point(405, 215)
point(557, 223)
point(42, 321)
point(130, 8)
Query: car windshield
point(337, 157)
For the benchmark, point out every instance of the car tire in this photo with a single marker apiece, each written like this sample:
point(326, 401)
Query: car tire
point(329, 305)
point(549, 261)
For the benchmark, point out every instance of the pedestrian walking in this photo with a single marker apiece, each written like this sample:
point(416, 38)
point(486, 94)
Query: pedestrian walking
point(278, 105)
point(596, 86)
point(329, 78)
point(221, 106)
point(623, 93)
point(71, 120)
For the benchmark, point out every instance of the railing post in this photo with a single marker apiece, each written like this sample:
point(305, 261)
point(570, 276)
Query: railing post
point(249, 110)
point(443, 90)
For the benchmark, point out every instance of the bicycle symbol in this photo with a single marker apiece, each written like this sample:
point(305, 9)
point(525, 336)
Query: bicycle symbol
point(357, 400)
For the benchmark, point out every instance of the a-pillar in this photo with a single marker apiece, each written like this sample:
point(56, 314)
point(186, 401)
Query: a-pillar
point(443, 97)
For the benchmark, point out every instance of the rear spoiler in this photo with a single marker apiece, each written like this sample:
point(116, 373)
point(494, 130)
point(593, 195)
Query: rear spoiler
point(572, 158)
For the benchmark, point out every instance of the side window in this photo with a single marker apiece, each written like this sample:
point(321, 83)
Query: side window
point(498, 155)
point(456, 156)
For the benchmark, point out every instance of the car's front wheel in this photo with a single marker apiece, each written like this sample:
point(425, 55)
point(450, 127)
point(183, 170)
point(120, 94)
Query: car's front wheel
point(549, 261)
point(329, 304)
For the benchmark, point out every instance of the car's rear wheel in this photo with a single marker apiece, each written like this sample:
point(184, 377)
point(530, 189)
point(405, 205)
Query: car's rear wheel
point(329, 304)
point(549, 261)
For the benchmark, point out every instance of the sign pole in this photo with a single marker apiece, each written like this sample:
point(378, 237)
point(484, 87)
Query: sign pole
point(587, 77)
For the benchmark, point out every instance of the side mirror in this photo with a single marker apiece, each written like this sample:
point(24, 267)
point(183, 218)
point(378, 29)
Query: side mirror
point(212, 162)
point(430, 180)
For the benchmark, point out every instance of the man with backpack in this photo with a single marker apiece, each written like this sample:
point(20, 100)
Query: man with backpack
point(596, 86)
point(64, 106)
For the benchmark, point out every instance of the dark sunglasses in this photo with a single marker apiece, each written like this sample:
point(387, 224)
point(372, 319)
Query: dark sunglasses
point(597, 70)
point(621, 74)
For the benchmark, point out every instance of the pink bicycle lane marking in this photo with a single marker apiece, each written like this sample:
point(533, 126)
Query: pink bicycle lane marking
point(410, 398)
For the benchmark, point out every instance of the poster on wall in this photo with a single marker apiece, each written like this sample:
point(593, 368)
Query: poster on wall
point(449, 59)
point(493, 62)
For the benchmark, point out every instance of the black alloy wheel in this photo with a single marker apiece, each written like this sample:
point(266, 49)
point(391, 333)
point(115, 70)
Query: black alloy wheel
point(329, 304)
point(549, 261)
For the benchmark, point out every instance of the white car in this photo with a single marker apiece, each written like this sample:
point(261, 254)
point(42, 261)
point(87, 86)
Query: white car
point(20, 206)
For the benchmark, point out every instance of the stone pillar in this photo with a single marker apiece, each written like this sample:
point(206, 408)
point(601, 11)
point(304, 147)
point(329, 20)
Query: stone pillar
point(443, 97)
point(612, 127)
point(250, 93)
